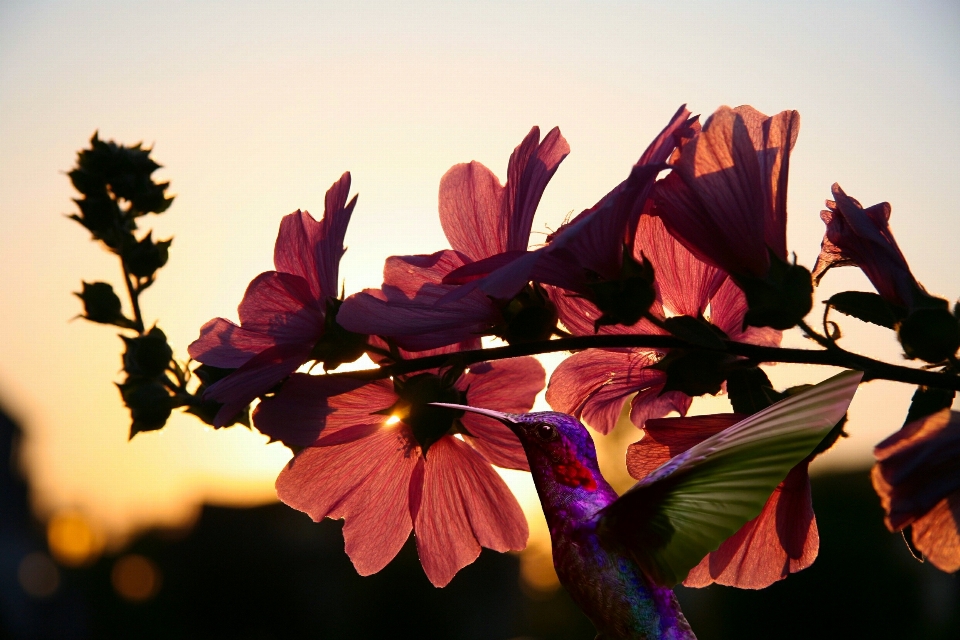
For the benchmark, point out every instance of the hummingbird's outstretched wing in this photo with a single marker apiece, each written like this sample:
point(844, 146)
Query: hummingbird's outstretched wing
point(687, 507)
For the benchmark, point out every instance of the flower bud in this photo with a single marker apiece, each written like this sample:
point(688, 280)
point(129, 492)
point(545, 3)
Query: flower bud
point(147, 355)
point(101, 304)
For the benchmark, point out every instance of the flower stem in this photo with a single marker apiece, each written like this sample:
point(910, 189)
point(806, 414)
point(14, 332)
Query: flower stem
point(834, 356)
point(134, 297)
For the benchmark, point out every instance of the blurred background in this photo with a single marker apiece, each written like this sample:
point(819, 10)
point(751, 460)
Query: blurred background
point(254, 111)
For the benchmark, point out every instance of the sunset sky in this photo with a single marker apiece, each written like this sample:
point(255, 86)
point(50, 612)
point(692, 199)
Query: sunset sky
point(254, 110)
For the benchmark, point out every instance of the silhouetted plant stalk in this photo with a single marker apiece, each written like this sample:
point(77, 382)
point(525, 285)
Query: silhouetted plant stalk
point(754, 354)
point(117, 188)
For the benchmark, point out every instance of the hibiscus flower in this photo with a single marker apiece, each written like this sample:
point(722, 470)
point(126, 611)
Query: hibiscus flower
point(595, 383)
point(782, 540)
point(480, 218)
point(381, 458)
point(861, 237)
point(589, 249)
point(284, 314)
point(917, 476)
point(726, 197)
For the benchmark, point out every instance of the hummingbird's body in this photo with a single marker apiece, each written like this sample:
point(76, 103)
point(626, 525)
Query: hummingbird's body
point(621, 556)
point(600, 576)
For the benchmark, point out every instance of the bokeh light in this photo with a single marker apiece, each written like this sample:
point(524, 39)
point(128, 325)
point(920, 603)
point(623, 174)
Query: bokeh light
point(38, 575)
point(135, 578)
point(73, 539)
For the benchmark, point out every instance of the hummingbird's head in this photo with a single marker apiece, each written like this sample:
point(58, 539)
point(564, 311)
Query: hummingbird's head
point(557, 445)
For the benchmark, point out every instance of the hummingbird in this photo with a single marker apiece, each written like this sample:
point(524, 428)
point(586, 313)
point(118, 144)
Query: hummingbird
point(620, 556)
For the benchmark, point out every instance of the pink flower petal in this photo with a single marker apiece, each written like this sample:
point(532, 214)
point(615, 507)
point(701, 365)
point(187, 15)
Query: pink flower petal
point(224, 344)
point(365, 482)
point(652, 403)
point(281, 305)
point(260, 374)
point(464, 505)
point(310, 410)
point(917, 467)
point(862, 237)
point(727, 309)
point(726, 199)
point(530, 169)
point(470, 206)
point(311, 249)
point(409, 273)
point(773, 138)
point(482, 218)
point(936, 534)
point(509, 386)
point(594, 384)
point(474, 270)
point(668, 437)
point(418, 323)
point(782, 540)
point(684, 283)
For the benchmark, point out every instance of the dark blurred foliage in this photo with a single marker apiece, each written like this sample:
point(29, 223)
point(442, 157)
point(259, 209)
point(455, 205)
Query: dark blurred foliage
point(269, 572)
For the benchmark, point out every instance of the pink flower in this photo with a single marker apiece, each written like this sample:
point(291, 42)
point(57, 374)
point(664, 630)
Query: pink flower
point(917, 476)
point(726, 197)
point(480, 218)
point(862, 237)
point(283, 313)
point(379, 457)
point(782, 540)
point(589, 248)
point(595, 383)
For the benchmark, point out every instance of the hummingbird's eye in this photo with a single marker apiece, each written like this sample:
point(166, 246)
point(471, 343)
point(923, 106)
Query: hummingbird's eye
point(545, 431)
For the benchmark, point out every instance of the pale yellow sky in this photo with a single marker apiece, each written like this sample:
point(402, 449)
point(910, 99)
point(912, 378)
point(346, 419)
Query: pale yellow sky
point(256, 110)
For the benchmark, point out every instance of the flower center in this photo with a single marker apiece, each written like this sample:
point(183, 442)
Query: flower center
point(428, 423)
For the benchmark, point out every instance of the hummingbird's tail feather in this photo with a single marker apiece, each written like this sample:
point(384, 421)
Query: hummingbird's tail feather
point(686, 508)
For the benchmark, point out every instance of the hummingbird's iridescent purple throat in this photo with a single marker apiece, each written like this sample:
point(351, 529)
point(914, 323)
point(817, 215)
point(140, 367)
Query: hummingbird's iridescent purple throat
point(621, 556)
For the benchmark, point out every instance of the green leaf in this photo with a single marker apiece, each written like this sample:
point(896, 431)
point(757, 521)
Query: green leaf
point(868, 307)
point(696, 331)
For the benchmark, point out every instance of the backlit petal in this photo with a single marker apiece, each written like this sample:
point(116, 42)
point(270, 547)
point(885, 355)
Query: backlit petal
point(308, 407)
point(594, 384)
point(782, 540)
point(224, 344)
point(509, 386)
point(464, 505)
point(365, 482)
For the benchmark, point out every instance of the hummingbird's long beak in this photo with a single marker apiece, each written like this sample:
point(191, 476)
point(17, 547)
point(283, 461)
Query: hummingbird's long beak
point(506, 418)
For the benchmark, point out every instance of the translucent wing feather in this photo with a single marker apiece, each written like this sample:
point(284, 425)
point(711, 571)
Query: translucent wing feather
point(688, 506)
